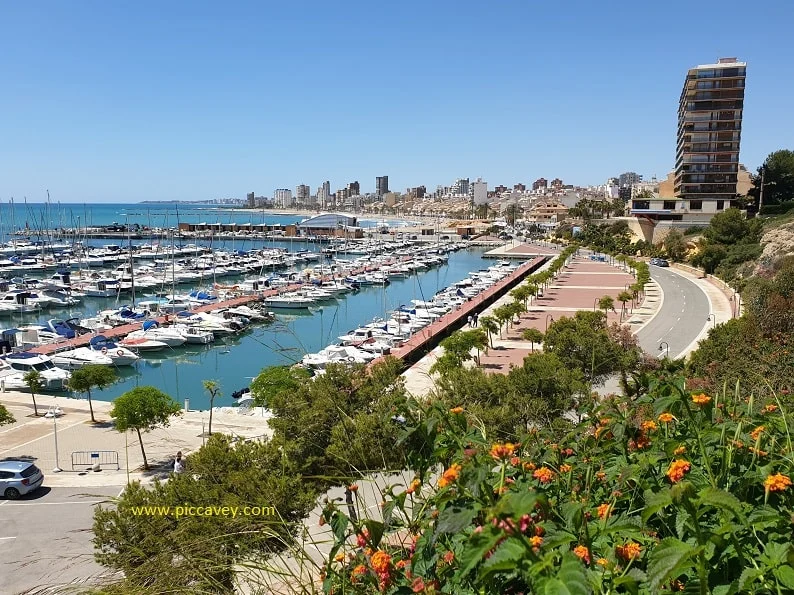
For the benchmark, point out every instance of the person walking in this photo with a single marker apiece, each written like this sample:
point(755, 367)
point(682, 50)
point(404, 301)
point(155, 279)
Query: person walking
point(179, 463)
point(470, 320)
point(476, 318)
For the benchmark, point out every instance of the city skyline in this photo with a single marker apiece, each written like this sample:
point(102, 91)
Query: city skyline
point(111, 105)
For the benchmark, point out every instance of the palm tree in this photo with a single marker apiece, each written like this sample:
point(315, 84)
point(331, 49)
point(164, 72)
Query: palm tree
point(490, 326)
point(623, 297)
point(532, 335)
point(606, 303)
point(213, 387)
point(33, 379)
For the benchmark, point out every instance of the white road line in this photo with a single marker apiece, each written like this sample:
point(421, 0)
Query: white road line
point(56, 503)
point(2, 538)
point(4, 502)
point(47, 435)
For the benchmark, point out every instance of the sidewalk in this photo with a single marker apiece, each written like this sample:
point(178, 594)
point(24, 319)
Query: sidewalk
point(33, 438)
point(577, 287)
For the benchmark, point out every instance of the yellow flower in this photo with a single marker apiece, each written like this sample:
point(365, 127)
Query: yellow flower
point(678, 469)
point(536, 541)
point(757, 432)
point(666, 418)
point(648, 426)
point(449, 476)
point(565, 468)
point(701, 399)
point(777, 482)
point(582, 552)
point(603, 511)
point(456, 410)
point(680, 450)
point(415, 484)
point(602, 562)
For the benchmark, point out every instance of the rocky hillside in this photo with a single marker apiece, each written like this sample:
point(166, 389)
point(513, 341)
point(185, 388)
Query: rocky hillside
point(777, 242)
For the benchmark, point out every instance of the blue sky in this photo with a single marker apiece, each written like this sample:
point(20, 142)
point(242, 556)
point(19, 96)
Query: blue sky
point(114, 102)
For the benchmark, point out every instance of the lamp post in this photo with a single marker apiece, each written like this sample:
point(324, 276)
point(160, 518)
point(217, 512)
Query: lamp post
point(713, 319)
point(595, 304)
point(664, 346)
point(548, 316)
point(57, 468)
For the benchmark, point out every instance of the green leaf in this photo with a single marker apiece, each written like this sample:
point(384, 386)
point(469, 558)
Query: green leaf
point(680, 522)
point(722, 500)
point(515, 504)
point(572, 513)
point(748, 577)
point(775, 553)
point(505, 557)
point(570, 580)
point(455, 518)
point(339, 523)
point(476, 547)
point(668, 559)
point(654, 502)
point(764, 517)
point(785, 576)
point(376, 529)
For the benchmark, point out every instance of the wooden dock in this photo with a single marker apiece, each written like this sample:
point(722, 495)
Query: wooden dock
point(429, 337)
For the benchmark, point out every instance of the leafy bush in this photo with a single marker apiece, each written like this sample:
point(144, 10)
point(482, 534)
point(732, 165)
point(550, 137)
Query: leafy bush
point(678, 490)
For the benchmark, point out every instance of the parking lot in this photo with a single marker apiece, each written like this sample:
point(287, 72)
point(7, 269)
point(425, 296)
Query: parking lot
point(45, 538)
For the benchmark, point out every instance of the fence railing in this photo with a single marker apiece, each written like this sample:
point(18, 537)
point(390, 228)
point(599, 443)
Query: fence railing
point(89, 458)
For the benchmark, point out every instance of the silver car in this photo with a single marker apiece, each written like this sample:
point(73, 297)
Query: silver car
point(18, 478)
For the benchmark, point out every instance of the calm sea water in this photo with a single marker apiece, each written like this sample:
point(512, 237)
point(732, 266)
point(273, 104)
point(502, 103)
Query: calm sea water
point(36, 216)
point(236, 360)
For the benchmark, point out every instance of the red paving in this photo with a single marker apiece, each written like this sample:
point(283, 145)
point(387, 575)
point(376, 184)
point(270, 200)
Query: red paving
point(578, 287)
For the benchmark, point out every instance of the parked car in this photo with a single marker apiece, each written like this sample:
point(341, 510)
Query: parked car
point(18, 478)
point(659, 262)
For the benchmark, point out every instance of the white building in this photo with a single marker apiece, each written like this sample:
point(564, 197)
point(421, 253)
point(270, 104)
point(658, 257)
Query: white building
point(282, 198)
point(612, 189)
point(460, 186)
point(480, 192)
point(324, 194)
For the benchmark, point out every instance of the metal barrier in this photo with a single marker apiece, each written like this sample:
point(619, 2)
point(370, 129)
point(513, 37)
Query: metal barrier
point(89, 458)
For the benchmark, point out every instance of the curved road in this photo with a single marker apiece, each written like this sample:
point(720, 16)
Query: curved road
point(684, 312)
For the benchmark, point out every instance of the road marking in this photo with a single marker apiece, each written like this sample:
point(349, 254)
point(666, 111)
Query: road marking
point(2, 538)
point(4, 502)
point(47, 435)
point(56, 503)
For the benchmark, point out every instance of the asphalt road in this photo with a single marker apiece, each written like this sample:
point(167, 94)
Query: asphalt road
point(45, 538)
point(684, 313)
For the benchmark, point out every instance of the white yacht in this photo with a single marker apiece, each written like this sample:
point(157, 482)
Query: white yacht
point(16, 365)
point(151, 330)
point(72, 359)
point(119, 355)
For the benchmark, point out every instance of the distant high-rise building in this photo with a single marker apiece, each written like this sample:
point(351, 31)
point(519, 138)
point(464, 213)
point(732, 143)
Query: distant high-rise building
point(324, 194)
point(282, 198)
point(460, 186)
point(540, 183)
point(629, 179)
point(381, 185)
point(500, 188)
point(480, 192)
point(709, 131)
point(302, 194)
point(353, 189)
point(251, 197)
point(556, 184)
point(519, 187)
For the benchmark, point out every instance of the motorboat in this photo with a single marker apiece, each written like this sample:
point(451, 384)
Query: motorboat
point(142, 344)
point(151, 330)
point(290, 301)
point(72, 359)
point(120, 355)
point(52, 377)
point(194, 335)
point(337, 354)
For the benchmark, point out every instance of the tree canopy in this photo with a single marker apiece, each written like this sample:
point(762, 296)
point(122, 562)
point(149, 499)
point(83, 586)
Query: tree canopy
point(778, 176)
point(275, 380)
point(92, 376)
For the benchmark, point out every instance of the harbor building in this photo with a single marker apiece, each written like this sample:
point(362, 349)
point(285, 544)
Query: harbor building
point(331, 224)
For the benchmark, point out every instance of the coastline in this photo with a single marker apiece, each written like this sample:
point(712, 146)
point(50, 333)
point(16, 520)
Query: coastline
point(306, 214)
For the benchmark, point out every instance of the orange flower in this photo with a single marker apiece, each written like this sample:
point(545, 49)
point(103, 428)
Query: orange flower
point(449, 476)
point(418, 586)
point(678, 469)
point(401, 564)
point(770, 408)
point(601, 476)
point(529, 466)
point(666, 418)
point(415, 484)
point(680, 450)
point(503, 451)
point(758, 451)
point(358, 571)
point(777, 482)
point(353, 488)
point(583, 553)
point(701, 399)
point(628, 551)
point(543, 475)
point(381, 562)
point(340, 557)
point(456, 410)
point(515, 461)
point(757, 432)
point(602, 562)
point(565, 468)
point(536, 541)
point(648, 426)
point(603, 511)
point(449, 557)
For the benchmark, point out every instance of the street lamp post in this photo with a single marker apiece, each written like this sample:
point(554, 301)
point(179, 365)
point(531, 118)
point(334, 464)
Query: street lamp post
point(548, 316)
point(55, 437)
point(664, 346)
point(595, 304)
point(713, 319)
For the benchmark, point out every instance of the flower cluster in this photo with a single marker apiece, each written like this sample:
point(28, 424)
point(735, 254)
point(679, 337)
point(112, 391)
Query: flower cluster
point(678, 469)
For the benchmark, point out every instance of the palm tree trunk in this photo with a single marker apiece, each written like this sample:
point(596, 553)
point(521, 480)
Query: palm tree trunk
point(91, 406)
point(35, 408)
point(145, 462)
point(209, 429)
